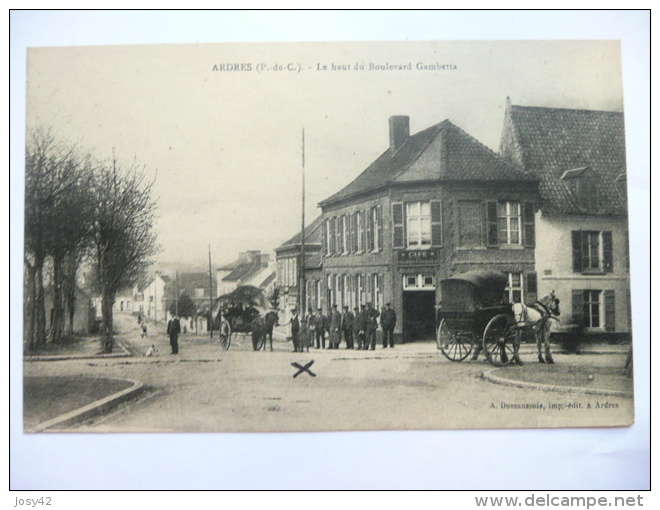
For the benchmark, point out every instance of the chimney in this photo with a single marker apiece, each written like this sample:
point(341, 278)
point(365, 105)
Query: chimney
point(399, 131)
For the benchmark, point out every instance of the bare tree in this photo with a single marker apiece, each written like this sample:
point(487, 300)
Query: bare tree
point(124, 240)
point(56, 226)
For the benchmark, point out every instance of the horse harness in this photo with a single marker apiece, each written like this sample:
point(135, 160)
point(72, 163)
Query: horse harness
point(544, 311)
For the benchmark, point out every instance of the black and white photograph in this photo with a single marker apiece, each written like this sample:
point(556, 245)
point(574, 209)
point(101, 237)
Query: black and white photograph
point(315, 237)
point(326, 237)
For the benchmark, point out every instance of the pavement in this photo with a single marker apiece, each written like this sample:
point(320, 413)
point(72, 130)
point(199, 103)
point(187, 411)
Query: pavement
point(195, 349)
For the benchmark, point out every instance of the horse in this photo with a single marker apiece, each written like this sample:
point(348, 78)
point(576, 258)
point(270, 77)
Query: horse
point(536, 318)
point(271, 319)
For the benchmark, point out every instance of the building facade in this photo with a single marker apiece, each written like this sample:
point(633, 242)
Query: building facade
point(287, 257)
point(582, 221)
point(434, 204)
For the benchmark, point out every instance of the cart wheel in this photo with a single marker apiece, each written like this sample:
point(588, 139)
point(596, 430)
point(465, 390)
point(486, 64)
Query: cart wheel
point(225, 339)
point(452, 345)
point(500, 340)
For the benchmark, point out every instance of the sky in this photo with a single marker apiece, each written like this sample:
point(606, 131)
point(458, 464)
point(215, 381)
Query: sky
point(219, 126)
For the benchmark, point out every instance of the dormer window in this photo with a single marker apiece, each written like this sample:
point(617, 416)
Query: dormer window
point(581, 183)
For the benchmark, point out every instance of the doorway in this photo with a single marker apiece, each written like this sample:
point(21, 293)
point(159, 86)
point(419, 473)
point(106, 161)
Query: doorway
point(419, 315)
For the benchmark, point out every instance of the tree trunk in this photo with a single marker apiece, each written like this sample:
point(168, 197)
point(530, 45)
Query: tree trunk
point(57, 317)
point(69, 293)
point(39, 305)
point(29, 308)
point(108, 299)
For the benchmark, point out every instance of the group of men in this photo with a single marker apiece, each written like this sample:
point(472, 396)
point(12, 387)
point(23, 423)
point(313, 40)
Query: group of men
point(358, 328)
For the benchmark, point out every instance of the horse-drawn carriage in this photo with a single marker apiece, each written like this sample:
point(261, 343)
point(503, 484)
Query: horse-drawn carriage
point(475, 315)
point(243, 312)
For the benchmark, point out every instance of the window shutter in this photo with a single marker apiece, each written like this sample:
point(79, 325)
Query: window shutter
point(370, 230)
point(352, 228)
point(607, 252)
point(577, 250)
point(578, 307)
point(491, 224)
point(331, 236)
point(326, 245)
point(367, 288)
point(339, 236)
point(532, 288)
point(379, 217)
point(363, 234)
point(610, 324)
point(436, 223)
point(381, 290)
point(529, 226)
point(398, 225)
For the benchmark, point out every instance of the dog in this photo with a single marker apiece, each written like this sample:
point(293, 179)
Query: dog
point(152, 351)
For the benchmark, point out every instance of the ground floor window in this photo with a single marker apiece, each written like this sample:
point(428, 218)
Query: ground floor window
point(514, 289)
point(592, 308)
point(418, 282)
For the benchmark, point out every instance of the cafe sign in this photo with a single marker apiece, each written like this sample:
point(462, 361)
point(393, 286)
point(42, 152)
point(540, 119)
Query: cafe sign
point(418, 256)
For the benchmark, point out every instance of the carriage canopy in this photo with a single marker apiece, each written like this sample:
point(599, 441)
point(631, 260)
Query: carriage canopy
point(473, 290)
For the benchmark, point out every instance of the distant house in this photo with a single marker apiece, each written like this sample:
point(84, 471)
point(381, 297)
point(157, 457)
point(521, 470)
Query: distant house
point(198, 286)
point(582, 221)
point(287, 256)
point(124, 301)
point(243, 271)
point(151, 298)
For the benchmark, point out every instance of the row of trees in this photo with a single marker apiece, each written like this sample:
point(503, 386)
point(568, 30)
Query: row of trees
point(81, 210)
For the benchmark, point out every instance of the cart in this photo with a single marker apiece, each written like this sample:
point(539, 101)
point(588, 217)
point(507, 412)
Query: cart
point(475, 315)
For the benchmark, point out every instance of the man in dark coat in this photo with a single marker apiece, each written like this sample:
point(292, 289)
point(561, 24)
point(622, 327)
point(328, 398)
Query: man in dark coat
point(173, 330)
point(295, 331)
point(347, 324)
point(387, 322)
point(360, 327)
point(321, 326)
point(258, 328)
point(334, 328)
point(371, 316)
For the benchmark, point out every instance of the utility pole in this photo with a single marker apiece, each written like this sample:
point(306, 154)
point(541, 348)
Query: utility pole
point(176, 293)
point(210, 294)
point(301, 265)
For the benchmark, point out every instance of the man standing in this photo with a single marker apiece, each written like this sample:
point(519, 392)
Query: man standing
point(347, 322)
point(295, 331)
point(371, 314)
point(335, 328)
point(360, 327)
point(173, 330)
point(387, 322)
point(320, 325)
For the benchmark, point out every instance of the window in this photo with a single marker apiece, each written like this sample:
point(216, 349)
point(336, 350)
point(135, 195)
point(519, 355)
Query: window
point(591, 309)
point(592, 251)
point(331, 293)
point(359, 289)
point(346, 244)
point(339, 234)
point(359, 220)
point(200, 292)
point(416, 225)
point(377, 291)
point(318, 297)
point(514, 289)
point(418, 215)
point(419, 282)
point(594, 309)
point(510, 223)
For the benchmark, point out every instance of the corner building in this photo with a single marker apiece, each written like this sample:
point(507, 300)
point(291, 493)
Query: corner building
point(434, 204)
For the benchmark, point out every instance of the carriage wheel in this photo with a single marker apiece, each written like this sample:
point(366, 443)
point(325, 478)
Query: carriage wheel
point(225, 340)
point(451, 344)
point(500, 340)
